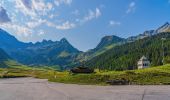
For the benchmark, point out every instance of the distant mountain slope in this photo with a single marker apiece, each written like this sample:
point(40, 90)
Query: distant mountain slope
point(47, 53)
point(62, 53)
point(108, 40)
point(41, 53)
point(9, 42)
point(164, 28)
point(105, 44)
point(125, 56)
point(3, 57)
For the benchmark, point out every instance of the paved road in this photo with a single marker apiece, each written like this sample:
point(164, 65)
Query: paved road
point(40, 89)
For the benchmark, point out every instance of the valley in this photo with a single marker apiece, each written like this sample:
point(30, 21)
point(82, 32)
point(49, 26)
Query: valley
point(46, 65)
point(159, 75)
point(113, 52)
point(84, 49)
point(113, 59)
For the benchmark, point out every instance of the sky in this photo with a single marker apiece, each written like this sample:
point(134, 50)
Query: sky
point(82, 22)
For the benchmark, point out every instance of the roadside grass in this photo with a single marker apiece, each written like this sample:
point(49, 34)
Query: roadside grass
point(159, 75)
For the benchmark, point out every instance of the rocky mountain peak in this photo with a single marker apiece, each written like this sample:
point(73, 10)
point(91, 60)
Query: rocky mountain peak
point(107, 40)
point(64, 40)
point(164, 28)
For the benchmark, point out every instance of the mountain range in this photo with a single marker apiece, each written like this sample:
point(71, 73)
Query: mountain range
point(40, 53)
point(164, 28)
point(125, 56)
point(109, 42)
point(62, 53)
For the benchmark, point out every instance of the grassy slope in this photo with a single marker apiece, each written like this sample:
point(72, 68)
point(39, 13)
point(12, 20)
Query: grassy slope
point(90, 54)
point(15, 69)
point(154, 75)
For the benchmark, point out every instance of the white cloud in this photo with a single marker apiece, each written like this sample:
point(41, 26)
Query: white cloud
point(32, 14)
point(114, 23)
point(41, 32)
point(36, 22)
point(1, 2)
point(98, 13)
point(40, 7)
point(33, 8)
point(131, 7)
point(25, 6)
point(33, 24)
point(50, 24)
point(92, 14)
point(36, 13)
point(59, 2)
point(20, 30)
point(4, 18)
point(65, 26)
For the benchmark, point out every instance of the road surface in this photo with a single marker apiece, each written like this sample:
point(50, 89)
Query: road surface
point(40, 89)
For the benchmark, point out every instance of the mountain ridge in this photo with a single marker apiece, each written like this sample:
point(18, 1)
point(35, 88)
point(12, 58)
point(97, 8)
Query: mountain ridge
point(62, 53)
point(46, 52)
point(125, 56)
point(164, 28)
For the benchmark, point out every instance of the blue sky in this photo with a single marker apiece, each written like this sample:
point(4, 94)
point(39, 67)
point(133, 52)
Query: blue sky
point(82, 22)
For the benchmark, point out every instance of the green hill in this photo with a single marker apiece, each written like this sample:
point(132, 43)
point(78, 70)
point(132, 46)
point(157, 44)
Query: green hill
point(123, 57)
point(105, 44)
point(46, 52)
point(149, 76)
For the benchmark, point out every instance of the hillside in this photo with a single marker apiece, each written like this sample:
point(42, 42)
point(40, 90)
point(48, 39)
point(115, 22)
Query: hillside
point(47, 53)
point(52, 53)
point(9, 42)
point(112, 52)
point(42, 53)
point(159, 75)
point(125, 56)
point(109, 42)
point(105, 44)
point(148, 33)
point(3, 57)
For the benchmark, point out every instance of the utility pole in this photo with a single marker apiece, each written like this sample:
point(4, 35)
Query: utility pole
point(163, 53)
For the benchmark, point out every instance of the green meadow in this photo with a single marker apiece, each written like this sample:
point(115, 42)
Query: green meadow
point(159, 75)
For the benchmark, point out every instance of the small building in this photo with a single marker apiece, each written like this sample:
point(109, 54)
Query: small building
point(143, 63)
